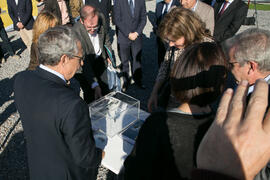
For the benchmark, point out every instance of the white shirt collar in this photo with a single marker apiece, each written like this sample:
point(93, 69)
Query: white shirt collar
point(95, 42)
point(229, 2)
point(251, 88)
point(194, 8)
point(52, 71)
point(168, 7)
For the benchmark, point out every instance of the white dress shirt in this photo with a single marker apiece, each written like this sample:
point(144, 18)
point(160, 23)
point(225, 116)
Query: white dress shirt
point(251, 88)
point(194, 8)
point(95, 41)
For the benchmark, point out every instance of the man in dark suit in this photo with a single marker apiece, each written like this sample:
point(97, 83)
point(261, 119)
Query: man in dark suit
point(91, 30)
point(229, 16)
point(162, 8)
point(20, 11)
point(6, 43)
point(105, 6)
point(56, 122)
point(130, 19)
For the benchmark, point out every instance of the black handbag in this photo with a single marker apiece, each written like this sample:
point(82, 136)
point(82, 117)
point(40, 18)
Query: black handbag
point(253, 19)
point(165, 90)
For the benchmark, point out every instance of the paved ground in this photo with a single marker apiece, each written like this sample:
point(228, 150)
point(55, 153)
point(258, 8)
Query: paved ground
point(13, 164)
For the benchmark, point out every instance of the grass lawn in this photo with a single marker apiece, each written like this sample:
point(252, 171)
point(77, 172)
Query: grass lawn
point(265, 7)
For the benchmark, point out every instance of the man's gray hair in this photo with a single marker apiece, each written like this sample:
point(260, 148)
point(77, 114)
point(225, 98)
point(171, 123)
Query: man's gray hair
point(56, 42)
point(253, 45)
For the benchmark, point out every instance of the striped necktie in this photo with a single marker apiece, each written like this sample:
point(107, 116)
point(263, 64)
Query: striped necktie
point(223, 8)
point(131, 5)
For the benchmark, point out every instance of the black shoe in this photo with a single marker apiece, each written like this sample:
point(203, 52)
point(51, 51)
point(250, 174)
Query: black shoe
point(126, 82)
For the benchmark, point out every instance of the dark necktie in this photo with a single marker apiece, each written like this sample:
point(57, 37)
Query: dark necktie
point(131, 5)
point(223, 8)
point(166, 9)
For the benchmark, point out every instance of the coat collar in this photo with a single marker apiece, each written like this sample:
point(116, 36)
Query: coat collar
point(50, 76)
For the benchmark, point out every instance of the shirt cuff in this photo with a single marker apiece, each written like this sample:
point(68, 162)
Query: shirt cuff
point(94, 84)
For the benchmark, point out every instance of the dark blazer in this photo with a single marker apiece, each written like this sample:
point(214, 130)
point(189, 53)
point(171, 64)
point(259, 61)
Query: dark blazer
point(22, 11)
point(93, 68)
point(57, 127)
point(126, 23)
point(53, 7)
point(159, 8)
point(230, 21)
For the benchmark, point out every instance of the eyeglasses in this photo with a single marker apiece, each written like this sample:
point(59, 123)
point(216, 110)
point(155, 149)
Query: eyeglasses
point(231, 64)
point(81, 58)
point(93, 28)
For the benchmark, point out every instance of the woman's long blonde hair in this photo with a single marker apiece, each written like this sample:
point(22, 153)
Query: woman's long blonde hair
point(44, 21)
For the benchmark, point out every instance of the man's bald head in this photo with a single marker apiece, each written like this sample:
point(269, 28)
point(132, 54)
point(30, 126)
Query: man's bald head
point(88, 11)
point(89, 18)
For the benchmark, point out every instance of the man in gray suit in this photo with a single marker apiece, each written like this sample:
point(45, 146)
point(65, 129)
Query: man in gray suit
point(204, 11)
point(92, 32)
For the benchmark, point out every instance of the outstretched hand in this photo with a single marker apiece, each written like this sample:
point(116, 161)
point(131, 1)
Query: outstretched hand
point(238, 141)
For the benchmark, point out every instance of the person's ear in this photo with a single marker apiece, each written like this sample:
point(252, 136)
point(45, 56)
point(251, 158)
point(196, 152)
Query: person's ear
point(253, 66)
point(81, 20)
point(64, 60)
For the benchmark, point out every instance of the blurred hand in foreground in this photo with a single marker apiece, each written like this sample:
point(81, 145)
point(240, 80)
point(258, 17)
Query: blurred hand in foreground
point(238, 142)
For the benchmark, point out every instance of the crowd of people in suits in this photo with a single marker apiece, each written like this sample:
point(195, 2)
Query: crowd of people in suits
point(187, 136)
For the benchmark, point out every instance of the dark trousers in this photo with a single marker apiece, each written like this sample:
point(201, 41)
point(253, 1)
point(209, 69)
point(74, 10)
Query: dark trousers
point(1, 54)
point(6, 43)
point(132, 53)
point(88, 92)
point(161, 51)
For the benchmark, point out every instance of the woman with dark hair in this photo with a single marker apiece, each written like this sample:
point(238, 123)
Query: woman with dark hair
point(179, 28)
point(167, 142)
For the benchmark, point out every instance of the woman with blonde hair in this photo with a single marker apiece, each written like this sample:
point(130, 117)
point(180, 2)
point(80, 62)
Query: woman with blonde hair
point(44, 21)
point(180, 28)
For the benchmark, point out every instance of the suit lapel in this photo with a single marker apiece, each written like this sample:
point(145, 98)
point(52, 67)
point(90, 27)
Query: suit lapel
point(135, 8)
point(228, 10)
point(198, 8)
point(217, 8)
point(129, 10)
point(100, 38)
point(174, 3)
point(88, 42)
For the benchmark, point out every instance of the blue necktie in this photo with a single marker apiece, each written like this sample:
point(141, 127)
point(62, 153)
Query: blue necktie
point(131, 7)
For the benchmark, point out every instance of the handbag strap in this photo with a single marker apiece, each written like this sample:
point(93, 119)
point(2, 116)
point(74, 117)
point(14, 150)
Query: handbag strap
point(170, 62)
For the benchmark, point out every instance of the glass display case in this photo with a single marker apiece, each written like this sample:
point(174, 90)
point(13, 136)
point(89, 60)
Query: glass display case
point(113, 113)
